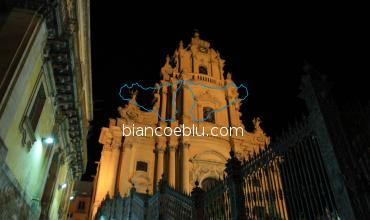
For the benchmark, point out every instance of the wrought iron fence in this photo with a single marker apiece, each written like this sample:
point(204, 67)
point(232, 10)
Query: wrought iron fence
point(173, 204)
point(287, 180)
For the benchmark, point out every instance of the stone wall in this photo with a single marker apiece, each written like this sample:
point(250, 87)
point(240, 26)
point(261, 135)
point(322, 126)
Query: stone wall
point(12, 200)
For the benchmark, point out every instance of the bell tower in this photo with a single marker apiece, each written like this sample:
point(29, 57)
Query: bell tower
point(198, 69)
point(194, 96)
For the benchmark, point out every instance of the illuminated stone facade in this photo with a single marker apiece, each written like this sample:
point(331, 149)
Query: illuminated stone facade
point(193, 91)
point(45, 84)
point(80, 201)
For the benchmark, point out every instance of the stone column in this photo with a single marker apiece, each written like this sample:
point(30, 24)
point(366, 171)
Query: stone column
point(163, 101)
point(185, 167)
point(172, 165)
point(232, 121)
point(124, 185)
point(160, 153)
point(232, 112)
point(186, 103)
point(116, 151)
point(173, 99)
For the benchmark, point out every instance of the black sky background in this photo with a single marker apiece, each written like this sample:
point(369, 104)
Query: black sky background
point(266, 52)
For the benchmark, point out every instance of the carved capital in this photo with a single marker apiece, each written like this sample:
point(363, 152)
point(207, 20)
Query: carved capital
point(164, 89)
point(172, 147)
point(160, 146)
point(116, 146)
point(174, 87)
point(173, 141)
point(160, 150)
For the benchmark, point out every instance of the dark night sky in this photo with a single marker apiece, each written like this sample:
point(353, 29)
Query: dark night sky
point(265, 53)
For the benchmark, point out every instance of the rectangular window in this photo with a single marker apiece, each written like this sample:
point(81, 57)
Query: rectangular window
point(208, 114)
point(81, 206)
point(141, 166)
point(37, 107)
point(203, 70)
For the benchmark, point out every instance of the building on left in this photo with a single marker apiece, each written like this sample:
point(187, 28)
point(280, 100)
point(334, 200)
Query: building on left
point(45, 105)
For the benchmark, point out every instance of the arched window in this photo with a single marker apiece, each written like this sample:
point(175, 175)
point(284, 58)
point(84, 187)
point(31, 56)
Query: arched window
point(208, 114)
point(203, 70)
point(208, 183)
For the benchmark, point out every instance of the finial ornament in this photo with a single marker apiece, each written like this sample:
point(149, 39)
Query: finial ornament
point(181, 45)
point(166, 69)
point(167, 59)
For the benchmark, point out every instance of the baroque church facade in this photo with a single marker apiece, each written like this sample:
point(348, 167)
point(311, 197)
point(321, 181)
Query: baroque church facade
point(195, 92)
point(317, 168)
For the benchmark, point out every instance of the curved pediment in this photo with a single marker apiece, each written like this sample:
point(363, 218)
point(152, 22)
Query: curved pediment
point(210, 156)
point(132, 112)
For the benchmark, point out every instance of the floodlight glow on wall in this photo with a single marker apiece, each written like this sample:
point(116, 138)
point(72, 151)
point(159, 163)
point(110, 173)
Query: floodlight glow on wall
point(63, 186)
point(48, 140)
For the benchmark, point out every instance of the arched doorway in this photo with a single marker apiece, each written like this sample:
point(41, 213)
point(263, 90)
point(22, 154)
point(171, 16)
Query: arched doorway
point(208, 183)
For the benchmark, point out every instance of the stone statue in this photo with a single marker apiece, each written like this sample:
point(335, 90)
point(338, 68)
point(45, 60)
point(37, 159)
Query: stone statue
point(256, 123)
point(228, 76)
point(166, 70)
point(133, 95)
point(157, 98)
point(122, 111)
point(257, 126)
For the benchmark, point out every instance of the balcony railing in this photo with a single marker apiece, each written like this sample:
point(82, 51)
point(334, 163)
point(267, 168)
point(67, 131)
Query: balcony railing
point(209, 79)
